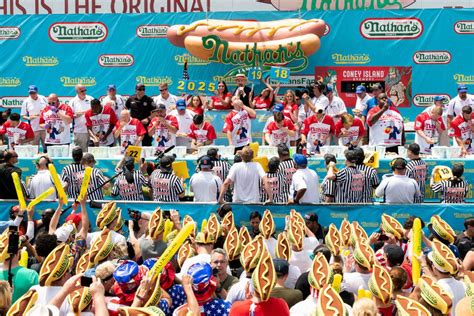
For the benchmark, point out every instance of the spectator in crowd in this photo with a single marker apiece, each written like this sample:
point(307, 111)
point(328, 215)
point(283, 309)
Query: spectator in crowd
point(467, 236)
point(129, 130)
point(246, 178)
point(222, 99)
point(276, 180)
point(286, 167)
point(18, 133)
point(242, 92)
point(166, 98)
point(219, 263)
point(130, 182)
point(237, 124)
point(71, 176)
point(202, 133)
point(280, 131)
point(204, 244)
point(429, 129)
point(265, 99)
point(7, 188)
point(453, 190)
point(98, 180)
point(319, 101)
point(317, 130)
point(399, 278)
point(163, 129)
point(165, 186)
point(205, 185)
point(364, 307)
point(398, 188)
point(254, 219)
point(304, 183)
point(79, 105)
point(291, 296)
point(461, 131)
point(362, 263)
point(142, 108)
point(456, 104)
point(197, 104)
point(349, 130)
point(5, 297)
point(42, 180)
point(361, 103)
point(55, 119)
point(336, 107)
point(30, 111)
point(100, 122)
point(417, 169)
point(385, 125)
point(290, 108)
point(23, 278)
point(114, 100)
point(312, 223)
point(185, 120)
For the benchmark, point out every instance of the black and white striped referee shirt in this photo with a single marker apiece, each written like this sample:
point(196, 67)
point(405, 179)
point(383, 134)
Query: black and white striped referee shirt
point(350, 185)
point(452, 191)
point(221, 169)
point(130, 191)
point(417, 170)
point(70, 175)
point(371, 181)
point(276, 181)
point(287, 169)
point(97, 180)
point(166, 187)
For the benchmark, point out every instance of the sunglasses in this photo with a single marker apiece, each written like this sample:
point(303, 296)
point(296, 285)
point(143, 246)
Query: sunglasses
point(82, 91)
point(52, 103)
point(140, 89)
point(163, 90)
point(383, 98)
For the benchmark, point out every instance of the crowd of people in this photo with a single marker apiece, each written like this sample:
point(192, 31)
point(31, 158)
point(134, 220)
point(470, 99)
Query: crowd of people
point(59, 265)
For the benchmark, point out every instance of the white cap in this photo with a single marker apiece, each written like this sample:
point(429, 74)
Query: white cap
point(43, 310)
point(63, 232)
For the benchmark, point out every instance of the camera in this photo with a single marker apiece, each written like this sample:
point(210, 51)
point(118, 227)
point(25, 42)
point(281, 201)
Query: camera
point(134, 214)
point(215, 272)
point(13, 240)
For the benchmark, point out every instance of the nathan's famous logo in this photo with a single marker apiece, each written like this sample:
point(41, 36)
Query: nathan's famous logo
point(116, 60)
point(359, 59)
point(463, 79)
point(464, 27)
point(181, 59)
point(391, 28)
point(40, 61)
point(152, 30)
point(12, 101)
point(7, 82)
point(73, 81)
point(291, 5)
point(423, 100)
point(154, 81)
point(251, 43)
point(9, 32)
point(72, 32)
point(432, 57)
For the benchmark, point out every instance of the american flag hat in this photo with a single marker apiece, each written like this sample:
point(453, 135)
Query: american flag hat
point(204, 283)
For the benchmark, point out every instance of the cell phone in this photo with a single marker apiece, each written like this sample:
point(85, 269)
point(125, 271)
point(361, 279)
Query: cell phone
point(86, 281)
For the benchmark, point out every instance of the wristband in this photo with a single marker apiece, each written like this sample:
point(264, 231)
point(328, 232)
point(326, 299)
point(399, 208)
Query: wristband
point(20, 215)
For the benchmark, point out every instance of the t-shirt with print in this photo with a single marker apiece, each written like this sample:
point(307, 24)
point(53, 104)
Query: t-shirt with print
point(388, 129)
point(130, 133)
point(218, 103)
point(16, 134)
point(288, 109)
point(423, 122)
point(203, 134)
point(57, 131)
point(262, 103)
point(353, 133)
point(100, 123)
point(462, 129)
point(277, 135)
point(163, 138)
point(239, 124)
point(318, 132)
point(166, 187)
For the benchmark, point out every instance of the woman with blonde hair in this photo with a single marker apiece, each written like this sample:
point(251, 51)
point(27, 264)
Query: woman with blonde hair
point(364, 307)
point(5, 297)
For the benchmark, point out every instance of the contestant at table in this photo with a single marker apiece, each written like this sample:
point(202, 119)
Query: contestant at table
point(238, 124)
point(462, 131)
point(130, 130)
point(163, 129)
point(202, 133)
point(55, 119)
point(100, 122)
point(18, 133)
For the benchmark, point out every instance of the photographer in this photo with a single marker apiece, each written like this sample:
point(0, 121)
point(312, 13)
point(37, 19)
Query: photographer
point(219, 263)
point(129, 184)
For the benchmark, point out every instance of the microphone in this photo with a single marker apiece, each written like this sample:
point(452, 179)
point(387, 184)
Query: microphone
point(128, 175)
point(162, 153)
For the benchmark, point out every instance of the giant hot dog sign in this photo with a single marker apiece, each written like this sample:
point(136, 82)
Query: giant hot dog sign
point(251, 43)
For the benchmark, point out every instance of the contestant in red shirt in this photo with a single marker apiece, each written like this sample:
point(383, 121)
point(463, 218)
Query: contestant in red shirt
point(100, 122)
point(280, 130)
point(202, 133)
point(222, 99)
point(350, 130)
point(55, 119)
point(130, 130)
point(462, 131)
point(18, 133)
point(317, 130)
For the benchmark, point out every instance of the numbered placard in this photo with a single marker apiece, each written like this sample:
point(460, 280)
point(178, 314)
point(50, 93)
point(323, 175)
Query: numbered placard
point(196, 86)
point(255, 73)
point(280, 74)
point(135, 152)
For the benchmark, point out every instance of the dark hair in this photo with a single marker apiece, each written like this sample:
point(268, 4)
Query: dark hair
point(409, 222)
point(329, 158)
point(15, 117)
point(45, 244)
point(95, 102)
point(278, 116)
point(394, 253)
point(237, 158)
point(77, 154)
point(224, 209)
point(414, 148)
point(399, 278)
point(198, 119)
point(467, 109)
point(8, 154)
point(255, 214)
point(273, 164)
point(225, 87)
point(324, 250)
point(469, 222)
point(283, 150)
point(359, 152)
point(458, 170)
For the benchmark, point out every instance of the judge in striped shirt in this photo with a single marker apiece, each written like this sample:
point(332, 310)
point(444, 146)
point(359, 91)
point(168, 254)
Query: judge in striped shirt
point(453, 190)
point(72, 174)
point(98, 180)
point(166, 186)
point(130, 182)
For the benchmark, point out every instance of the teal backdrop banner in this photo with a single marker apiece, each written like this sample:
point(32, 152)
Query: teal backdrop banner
point(415, 54)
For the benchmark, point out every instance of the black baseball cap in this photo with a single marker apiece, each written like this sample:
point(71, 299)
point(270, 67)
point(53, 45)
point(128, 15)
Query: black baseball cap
point(312, 217)
point(212, 152)
point(281, 267)
point(205, 162)
point(140, 86)
point(166, 162)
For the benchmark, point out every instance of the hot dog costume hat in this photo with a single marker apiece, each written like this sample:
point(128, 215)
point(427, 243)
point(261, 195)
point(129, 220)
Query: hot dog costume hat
point(330, 303)
point(107, 215)
point(83, 264)
point(141, 311)
point(119, 224)
point(101, 247)
point(442, 257)
point(4, 246)
point(283, 247)
point(80, 299)
point(244, 236)
point(345, 231)
point(296, 232)
point(380, 283)
point(232, 244)
point(465, 306)
point(267, 225)
point(185, 251)
point(364, 254)
point(442, 229)
point(469, 283)
point(213, 227)
point(333, 240)
point(189, 219)
point(434, 295)
point(264, 276)
point(320, 273)
point(227, 222)
point(408, 307)
point(156, 224)
point(357, 233)
point(56, 264)
point(153, 299)
point(205, 238)
point(23, 304)
point(251, 253)
point(392, 226)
